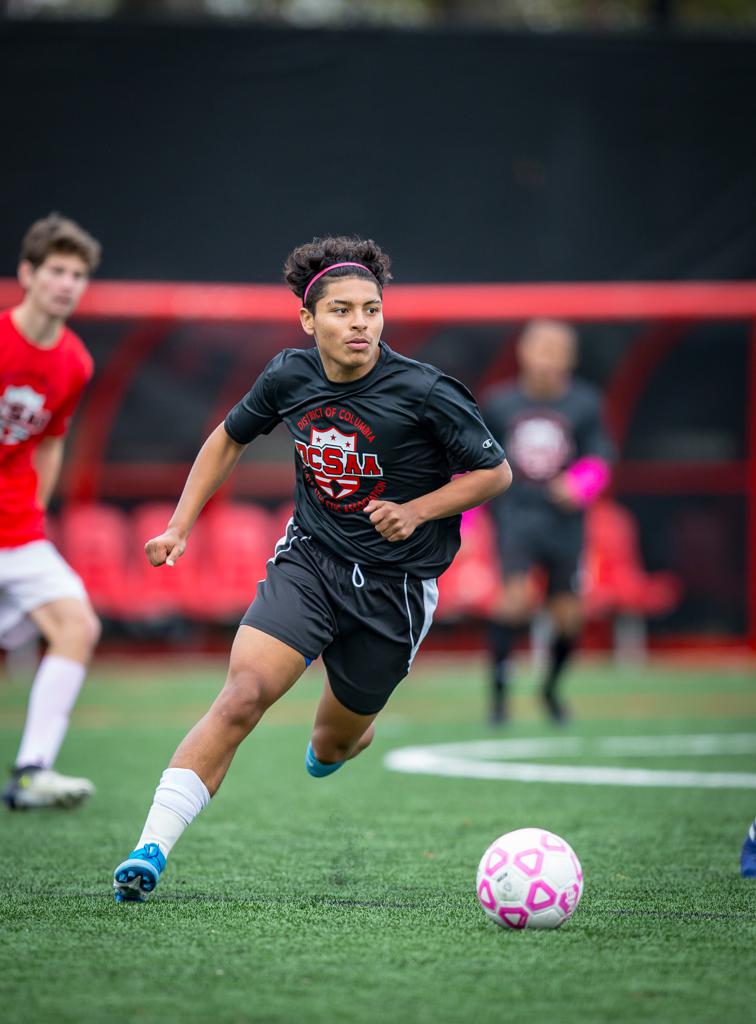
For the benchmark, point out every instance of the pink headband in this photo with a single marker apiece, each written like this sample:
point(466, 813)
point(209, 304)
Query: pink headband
point(328, 270)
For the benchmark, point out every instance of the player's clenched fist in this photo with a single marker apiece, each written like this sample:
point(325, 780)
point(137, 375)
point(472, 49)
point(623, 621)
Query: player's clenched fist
point(165, 549)
point(393, 522)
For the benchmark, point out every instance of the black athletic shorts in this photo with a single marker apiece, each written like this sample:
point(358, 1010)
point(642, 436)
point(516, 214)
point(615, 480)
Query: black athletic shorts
point(553, 543)
point(368, 627)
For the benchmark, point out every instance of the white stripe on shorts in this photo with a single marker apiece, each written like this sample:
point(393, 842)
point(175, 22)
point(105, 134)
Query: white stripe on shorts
point(430, 600)
point(281, 546)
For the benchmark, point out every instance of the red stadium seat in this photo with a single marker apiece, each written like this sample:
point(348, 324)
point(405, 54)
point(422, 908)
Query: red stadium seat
point(237, 542)
point(471, 586)
point(95, 540)
point(156, 593)
point(616, 581)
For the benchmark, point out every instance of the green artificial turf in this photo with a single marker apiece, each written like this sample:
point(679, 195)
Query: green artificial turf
point(352, 898)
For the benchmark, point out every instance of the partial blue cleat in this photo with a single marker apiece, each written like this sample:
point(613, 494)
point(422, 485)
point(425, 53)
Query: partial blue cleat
point(317, 768)
point(748, 854)
point(137, 876)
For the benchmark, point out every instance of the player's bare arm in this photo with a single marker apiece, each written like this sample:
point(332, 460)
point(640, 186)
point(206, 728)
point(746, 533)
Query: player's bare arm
point(399, 521)
point(48, 459)
point(215, 461)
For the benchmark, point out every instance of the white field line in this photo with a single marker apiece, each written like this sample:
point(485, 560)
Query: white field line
point(496, 759)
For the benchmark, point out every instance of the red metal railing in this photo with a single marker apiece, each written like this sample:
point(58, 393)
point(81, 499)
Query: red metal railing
point(157, 305)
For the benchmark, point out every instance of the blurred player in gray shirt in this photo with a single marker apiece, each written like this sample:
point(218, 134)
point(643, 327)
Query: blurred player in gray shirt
point(550, 424)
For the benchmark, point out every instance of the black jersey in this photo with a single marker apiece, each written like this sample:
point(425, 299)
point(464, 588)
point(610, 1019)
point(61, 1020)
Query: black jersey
point(543, 438)
point(395, 434)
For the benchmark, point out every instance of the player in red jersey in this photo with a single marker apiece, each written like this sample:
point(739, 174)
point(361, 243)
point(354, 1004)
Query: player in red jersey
point(43, 369)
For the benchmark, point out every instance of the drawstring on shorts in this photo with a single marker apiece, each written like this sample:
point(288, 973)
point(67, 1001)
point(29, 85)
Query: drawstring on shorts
point(358, 580)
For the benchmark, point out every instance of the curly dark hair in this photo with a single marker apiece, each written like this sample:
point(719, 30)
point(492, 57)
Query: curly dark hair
point(304, 262)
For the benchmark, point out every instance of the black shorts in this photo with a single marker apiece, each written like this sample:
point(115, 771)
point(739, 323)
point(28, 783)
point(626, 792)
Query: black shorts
point(553, 544)
point(367, 627)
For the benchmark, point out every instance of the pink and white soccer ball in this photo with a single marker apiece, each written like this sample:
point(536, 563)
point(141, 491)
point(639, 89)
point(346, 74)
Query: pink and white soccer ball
point(529, 878)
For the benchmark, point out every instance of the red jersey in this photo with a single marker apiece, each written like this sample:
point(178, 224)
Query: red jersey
point(39, 389)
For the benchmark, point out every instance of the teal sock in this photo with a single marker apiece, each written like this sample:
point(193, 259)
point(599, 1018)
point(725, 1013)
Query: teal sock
point(317, 768)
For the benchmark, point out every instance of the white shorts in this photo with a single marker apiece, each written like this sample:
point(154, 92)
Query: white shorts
point(31, 575)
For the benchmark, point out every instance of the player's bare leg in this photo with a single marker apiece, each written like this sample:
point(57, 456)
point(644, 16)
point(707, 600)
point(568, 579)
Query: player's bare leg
point(338, 735)
point(515, 609)
point(71, 629)
point(566, 612)
point(261, 669)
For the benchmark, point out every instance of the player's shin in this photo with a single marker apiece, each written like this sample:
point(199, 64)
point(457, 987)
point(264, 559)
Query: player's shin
point(501, 637)
point(179, 798)
point(54, 691)
point(561, 649)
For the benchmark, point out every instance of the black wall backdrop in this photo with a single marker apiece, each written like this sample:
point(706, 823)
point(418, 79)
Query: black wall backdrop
point(205, 153)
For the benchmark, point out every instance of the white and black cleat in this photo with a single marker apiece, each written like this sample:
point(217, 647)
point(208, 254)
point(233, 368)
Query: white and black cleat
point(32, 787)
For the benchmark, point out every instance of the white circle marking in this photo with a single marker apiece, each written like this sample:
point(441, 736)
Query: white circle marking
point(500, 760)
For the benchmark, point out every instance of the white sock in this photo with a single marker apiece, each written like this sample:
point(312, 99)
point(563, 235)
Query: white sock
point(178, 800)
point(54, 691)
point(752, 832)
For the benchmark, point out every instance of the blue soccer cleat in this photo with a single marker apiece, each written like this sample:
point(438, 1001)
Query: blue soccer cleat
point(748, 854)
point(316, 768)
point(137, 876)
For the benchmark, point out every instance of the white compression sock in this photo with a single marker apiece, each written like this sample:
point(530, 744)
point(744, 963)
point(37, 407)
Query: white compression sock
point(178, 800)
point(54, 691)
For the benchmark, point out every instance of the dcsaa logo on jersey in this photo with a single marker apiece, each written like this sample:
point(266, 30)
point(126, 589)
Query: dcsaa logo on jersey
point(337, 466)
point(22, 413)
point(540, 445)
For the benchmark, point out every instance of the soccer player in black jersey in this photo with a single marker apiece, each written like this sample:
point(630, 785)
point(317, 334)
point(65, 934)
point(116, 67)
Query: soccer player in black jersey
point(377, 440)
point(551, 425)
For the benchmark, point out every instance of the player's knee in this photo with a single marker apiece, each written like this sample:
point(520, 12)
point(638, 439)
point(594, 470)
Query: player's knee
point(329, 747)
point(77, 629)
point(567, 614)
point(243, 700)
point(515, 605)
point(515, 616)
point(517, 609)
point(94, 630)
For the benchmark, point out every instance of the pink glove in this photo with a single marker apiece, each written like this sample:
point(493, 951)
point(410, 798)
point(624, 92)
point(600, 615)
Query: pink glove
point(587, 478)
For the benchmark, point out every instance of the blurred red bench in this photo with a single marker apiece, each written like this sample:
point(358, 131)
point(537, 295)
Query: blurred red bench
point(616, 583)
point(471, 586)
point(237, 542)
point(215, 580)
point(96, 541)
